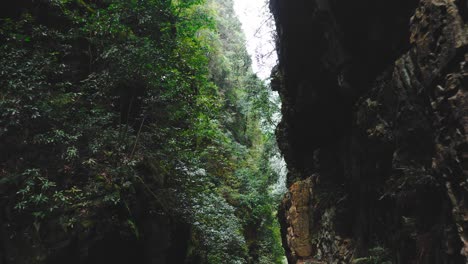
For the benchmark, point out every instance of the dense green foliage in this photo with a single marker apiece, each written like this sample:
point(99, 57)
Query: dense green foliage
point(110, 110)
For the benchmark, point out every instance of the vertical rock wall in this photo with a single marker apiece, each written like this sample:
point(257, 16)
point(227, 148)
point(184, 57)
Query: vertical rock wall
point(374, 130)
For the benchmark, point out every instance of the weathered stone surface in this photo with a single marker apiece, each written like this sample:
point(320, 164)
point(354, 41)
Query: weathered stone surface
point(298, 219)
point(374, 101)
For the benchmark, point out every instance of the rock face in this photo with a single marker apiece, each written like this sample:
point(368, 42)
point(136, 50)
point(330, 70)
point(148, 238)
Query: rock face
point(374, 130)
point(298, 218)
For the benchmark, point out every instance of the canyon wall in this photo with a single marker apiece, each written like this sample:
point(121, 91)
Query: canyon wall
point(374, 130)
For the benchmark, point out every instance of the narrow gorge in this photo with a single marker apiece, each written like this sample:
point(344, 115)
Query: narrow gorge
point(149, 132)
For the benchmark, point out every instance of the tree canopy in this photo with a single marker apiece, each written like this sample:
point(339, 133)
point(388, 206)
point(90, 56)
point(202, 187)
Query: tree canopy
point(114, 112)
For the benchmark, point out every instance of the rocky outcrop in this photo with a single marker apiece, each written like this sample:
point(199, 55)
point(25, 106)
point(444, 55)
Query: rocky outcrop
point(298, 219)
point(310, 235)
point(375, 126)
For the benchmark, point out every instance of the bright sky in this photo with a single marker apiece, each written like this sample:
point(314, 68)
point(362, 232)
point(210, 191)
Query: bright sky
point(258, 27)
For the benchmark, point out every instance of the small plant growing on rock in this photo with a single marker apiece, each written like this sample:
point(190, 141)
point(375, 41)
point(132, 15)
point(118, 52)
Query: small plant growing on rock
point(377, 255)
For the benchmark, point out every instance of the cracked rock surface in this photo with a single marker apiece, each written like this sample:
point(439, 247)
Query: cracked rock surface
point(374, 130)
